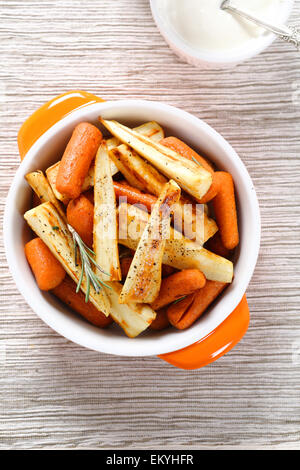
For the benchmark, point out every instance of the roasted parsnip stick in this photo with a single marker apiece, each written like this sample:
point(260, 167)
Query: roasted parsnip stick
point(152, 130)
point(145, 177)
point(38, 182)
point(136, 169)
point(143, 280)
point(192, 177)
point(105, 239)
point(180, 252)
point(133, 318)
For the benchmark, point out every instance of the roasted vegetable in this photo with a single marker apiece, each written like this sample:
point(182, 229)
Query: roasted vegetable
point(42, 189)
point(51, 228)
point(133, 318)
point(183, 314)
point(52, 171)
point(47, 270)
point(140, 174)
point(105, 239)
point(66, 292)
point(77, 158)
point(150, 129)
point(180, 252)
point(178, 285)
point(143, 280)
point(192, 177)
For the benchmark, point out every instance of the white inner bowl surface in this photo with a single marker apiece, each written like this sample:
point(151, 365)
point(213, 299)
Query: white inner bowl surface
point(49, 149)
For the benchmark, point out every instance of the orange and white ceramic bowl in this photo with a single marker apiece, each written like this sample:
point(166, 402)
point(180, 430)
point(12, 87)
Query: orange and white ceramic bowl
point(42, 140)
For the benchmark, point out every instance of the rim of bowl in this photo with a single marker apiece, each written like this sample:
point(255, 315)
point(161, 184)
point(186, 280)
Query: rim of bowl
point(95, 340)
point(218, 58)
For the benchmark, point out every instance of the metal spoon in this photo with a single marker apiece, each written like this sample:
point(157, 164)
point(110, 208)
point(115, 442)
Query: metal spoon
point(289, 34)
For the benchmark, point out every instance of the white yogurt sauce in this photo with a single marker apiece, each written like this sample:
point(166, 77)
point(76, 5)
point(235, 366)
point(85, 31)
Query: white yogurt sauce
point(203, 25)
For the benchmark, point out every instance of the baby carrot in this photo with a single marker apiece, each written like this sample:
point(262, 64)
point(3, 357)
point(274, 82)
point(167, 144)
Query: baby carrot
point(176, 310)
point(66, 292)
point(80, 215)
point(202, 299)
point(161, 321)
point(215, 245)
point(134, 196)
point(177, 285)
point(185, 151)
point(47, 270)
point(225, 211)
point(76, 160)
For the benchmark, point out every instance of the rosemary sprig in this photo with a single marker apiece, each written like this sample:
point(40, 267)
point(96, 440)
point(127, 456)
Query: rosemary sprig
point(196, 161)
point(179, 300)
point(86, 256)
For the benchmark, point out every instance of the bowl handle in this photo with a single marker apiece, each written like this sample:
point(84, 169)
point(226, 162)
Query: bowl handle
point(215, 344)
point(225, 336)
point(49, 114)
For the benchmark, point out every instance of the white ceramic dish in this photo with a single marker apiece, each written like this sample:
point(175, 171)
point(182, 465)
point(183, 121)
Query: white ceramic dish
point(206, 59)
point(48, 149)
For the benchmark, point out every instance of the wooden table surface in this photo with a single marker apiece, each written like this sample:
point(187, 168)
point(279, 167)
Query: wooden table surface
point(55, 394)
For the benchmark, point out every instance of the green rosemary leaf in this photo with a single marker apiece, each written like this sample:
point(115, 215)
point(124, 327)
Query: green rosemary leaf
point(75, 251)
point(97, 265)
point(87, 248)
point(86, 268)
point(88, 288)
point(103, 283)
point(80, 280)
point(178, 300)
point(196, 161)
